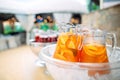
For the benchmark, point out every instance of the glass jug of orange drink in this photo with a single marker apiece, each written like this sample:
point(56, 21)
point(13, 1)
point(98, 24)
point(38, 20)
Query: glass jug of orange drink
point(67, 44)
point(94, 48)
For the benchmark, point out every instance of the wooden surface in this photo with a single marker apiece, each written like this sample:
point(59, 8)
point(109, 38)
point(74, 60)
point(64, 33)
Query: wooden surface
point(19, 64)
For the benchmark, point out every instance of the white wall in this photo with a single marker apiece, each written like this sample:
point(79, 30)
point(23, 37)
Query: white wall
point(30, 23)
point(23, 20)
point(62, 17)
point(27, 21)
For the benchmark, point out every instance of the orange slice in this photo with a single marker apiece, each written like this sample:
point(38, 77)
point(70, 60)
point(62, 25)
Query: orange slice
point(94, 53)
point(94, 50)
point(58, 56)
point(70, 44)
point(69, 55)
point(63, 38)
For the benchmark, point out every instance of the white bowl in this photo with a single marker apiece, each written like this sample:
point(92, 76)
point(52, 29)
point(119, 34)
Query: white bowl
point(62, 70)
point(36, 46)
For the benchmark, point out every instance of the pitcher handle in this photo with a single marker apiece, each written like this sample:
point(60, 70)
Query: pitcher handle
point(112, 36)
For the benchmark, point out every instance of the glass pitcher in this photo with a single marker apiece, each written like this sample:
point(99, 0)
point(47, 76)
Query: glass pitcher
point(94, 46)
point(67, 43)
point(94, 49)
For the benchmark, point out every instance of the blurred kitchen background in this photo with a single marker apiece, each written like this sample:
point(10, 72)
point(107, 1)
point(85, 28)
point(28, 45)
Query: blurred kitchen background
point(103, 14)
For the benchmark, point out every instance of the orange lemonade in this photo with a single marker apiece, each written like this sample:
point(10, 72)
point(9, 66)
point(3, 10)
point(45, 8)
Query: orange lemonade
point(67, 47)
point(94, 53)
